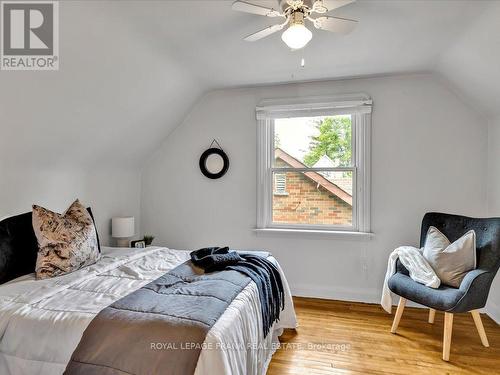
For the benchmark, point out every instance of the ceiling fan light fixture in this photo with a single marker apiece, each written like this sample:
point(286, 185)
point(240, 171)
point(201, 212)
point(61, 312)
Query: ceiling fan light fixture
point(294, 13)
point(297, 35)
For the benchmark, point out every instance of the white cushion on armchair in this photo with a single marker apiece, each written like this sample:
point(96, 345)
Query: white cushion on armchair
point(450, 261)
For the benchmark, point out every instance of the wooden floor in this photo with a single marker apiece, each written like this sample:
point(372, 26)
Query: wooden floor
point(354, 338)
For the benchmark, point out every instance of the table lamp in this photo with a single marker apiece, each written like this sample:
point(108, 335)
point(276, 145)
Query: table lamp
point(122, 228)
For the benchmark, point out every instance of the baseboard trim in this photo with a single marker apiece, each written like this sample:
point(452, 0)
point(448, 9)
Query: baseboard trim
point(341, 294)
point(367, 296)
point(344, 294)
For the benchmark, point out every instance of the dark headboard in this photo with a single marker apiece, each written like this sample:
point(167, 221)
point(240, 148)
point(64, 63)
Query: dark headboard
point(18, 247)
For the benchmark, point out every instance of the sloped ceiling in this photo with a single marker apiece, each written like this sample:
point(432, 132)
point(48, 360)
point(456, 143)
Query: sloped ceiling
point(472, 62)
point(116, 95)
point(131, 70)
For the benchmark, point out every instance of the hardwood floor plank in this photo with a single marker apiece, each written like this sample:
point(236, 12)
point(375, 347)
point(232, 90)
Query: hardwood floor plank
point(337, 337)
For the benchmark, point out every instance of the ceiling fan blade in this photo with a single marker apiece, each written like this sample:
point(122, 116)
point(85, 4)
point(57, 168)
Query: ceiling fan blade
point(335, 24)
point(243, 6)
point(264, 32)
point(334, 4)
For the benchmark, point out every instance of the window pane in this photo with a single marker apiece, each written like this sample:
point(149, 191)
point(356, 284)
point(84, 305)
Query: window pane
point(321, 142)
point(314, 198)
point(343, 180)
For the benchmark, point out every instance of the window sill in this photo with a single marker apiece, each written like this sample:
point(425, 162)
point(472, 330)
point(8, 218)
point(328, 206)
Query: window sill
point(342, 235)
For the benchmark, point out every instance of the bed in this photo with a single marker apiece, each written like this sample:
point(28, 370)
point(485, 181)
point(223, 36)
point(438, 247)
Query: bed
point(42, 321)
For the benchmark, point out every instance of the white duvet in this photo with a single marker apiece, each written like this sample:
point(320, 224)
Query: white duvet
point(41, 322)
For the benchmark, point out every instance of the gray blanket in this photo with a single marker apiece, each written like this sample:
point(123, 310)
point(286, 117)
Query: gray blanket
point(158, 329)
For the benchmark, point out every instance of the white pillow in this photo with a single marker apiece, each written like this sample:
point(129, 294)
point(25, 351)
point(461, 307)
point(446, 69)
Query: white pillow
point(450, 261)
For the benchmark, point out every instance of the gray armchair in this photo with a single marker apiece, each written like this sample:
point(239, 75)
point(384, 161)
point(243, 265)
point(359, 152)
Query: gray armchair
point(473, 291)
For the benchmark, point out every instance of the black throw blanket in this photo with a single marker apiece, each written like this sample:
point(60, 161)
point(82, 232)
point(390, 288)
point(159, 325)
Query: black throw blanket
point(264, 273)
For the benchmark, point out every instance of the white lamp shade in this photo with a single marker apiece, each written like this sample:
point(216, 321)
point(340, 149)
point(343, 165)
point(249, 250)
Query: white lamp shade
point(122, 227)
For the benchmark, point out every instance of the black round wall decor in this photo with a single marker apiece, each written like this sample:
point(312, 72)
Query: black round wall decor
point(214, 163)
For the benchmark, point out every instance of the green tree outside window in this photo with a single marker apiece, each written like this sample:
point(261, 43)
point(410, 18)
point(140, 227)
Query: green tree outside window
point(333, 140)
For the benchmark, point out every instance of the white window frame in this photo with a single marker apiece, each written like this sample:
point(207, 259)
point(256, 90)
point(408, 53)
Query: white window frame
point(359, 106)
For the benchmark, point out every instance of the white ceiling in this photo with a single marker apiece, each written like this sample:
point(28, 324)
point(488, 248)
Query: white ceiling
point(131, 70)
point(392, 36)
point(472, 61)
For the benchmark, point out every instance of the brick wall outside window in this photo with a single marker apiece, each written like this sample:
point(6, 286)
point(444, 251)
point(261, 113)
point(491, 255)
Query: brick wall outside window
point(307, 202)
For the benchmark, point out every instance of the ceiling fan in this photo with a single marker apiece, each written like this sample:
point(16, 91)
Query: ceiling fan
point(295, 13)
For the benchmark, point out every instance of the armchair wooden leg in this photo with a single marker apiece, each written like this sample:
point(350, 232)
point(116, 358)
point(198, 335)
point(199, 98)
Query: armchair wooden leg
point(399, 312)
point(480, 328)
point(432, 315)
point(448, 325)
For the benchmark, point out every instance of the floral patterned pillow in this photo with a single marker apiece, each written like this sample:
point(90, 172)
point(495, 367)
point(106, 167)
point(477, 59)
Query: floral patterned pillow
point(66, 242)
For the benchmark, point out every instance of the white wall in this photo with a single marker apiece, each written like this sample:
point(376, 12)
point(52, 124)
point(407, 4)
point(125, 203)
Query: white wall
point(83, 131)
point(429, 152)
point(493, 306)
point(109, 192)
point(494, 167)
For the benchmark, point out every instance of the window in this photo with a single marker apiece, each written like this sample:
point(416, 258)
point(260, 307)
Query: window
point(313, 157)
